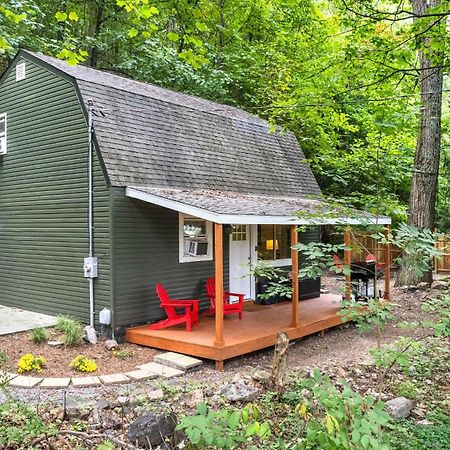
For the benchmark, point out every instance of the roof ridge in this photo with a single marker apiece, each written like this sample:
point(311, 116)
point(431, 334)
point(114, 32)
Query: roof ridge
point(167, 95)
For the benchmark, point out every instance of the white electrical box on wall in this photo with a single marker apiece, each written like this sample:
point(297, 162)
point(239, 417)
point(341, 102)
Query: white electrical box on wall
point(90, 267)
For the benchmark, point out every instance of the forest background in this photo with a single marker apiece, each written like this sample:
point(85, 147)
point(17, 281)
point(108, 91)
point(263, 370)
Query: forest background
point(344, 76)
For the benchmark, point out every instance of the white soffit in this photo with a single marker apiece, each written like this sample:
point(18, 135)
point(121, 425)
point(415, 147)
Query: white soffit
point(243, 219)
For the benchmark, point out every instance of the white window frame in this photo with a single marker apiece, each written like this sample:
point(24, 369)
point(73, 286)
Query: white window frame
point(273, 262)
point(183, 258)
point(4, 135)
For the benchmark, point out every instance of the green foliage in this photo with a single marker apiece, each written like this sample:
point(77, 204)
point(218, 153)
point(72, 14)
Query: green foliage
point(407, 435)
point(417, 246)
point(319, 259)
point(72, 330)
point(263, 269)
point(106, 445)
point(279, 285)
point(20, 425)
point(39, 335)
point(405, 388)
point(441, 308)
point(340, 419)
point(367, 315)
point(402, 353)
point(224, 428)
point(122, 354)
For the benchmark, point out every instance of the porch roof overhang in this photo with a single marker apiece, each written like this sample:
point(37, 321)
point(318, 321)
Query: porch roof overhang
point(236, 208)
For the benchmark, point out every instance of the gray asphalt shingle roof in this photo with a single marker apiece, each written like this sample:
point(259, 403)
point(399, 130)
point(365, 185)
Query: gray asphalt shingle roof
point(154, 137)
point(233, 207)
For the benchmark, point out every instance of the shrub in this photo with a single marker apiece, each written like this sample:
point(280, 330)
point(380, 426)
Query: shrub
point(122, 354)
point(72, 330)
point(336, 419)
point(29, 363)
point(3, 359)
point(20, 425)
point(83, 364)
point(223, 428)
point(39, 335)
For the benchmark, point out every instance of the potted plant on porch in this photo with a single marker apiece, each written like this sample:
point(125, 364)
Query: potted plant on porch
point(272, 284)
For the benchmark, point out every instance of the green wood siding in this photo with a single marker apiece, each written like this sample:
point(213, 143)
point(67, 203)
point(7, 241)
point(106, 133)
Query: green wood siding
point(43, 199)
point(146, 253)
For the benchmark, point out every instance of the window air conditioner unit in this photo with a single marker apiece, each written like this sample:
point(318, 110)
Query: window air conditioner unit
point(196, 248)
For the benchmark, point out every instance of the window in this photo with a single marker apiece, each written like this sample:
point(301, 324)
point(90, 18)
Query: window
point(274, 242)
point(195, 239)
point(3, 134)
point(239, 232)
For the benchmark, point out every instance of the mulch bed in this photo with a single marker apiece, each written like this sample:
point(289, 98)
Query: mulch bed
point(58, 358)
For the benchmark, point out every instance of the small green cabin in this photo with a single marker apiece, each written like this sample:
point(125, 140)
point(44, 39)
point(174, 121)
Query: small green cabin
point(162, 163)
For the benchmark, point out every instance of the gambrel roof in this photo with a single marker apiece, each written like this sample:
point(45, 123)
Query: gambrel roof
point(150, 136)
point(194, 155)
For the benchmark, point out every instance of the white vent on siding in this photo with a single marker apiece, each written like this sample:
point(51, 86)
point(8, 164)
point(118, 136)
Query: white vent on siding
point(20, 72)
point(3, 134)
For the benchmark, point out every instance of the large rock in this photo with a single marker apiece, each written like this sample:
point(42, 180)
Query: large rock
point(399, 407)
point(439, 285)
point(151, 429)
point(79, 407)
point(240, 392)
point(262, 376)
point(91, 334)
point(111, 343)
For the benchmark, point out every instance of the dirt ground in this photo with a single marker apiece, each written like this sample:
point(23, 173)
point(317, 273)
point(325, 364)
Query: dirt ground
point(342, 345)
point(58, 358)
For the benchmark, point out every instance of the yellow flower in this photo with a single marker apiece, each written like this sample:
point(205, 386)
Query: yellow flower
point(82, 364)
point(29, 362)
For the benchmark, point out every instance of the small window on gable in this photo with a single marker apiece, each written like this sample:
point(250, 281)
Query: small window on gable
point(20, 71)
point(3, 134)
point(195, 239)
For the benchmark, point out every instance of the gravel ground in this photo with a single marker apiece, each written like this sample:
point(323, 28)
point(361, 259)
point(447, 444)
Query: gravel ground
point(342, 346)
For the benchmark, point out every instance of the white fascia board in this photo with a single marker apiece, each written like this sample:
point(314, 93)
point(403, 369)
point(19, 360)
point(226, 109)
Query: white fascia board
point(234, 219)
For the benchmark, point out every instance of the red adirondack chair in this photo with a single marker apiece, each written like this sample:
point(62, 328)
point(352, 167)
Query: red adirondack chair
point(190, 316)
point(228, 308)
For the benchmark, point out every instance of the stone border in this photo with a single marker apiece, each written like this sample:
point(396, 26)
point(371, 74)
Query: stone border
point(143, 372)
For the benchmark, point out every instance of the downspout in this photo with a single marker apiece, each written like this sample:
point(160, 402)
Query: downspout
point(90, 269)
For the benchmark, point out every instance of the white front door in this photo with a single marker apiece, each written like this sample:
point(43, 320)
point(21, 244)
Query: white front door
point(241, 255)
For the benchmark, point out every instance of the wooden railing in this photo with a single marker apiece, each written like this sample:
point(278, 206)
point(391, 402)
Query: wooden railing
point(442, 265)
point(364, 244)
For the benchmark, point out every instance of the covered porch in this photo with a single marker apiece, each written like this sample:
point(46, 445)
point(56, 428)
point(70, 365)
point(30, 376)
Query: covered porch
point(257, 330)
point(223, 337)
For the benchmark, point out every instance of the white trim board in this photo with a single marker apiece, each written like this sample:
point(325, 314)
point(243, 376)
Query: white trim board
point(234, 219)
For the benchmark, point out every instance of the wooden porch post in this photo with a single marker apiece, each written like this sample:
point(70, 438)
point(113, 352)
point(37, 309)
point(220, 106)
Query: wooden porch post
point(218, 264)
point(294, 257)
point(387, 265)
point(347, 261)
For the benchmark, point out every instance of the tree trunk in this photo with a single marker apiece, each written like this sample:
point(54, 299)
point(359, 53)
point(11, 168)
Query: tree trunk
point(279, 362)
point(94, 25)
point(426, 164)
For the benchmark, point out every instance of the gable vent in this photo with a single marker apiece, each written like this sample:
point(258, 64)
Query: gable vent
point(20, 72)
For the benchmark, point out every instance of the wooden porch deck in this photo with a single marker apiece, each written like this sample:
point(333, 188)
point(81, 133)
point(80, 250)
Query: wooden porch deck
point(257, 329)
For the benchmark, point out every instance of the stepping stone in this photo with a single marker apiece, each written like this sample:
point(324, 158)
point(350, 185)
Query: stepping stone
point(115, 378)
point(25, 382)
point(55, 383)
point(86, 381)
point(177, 360)
point(160, 370)
point(138, 375)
